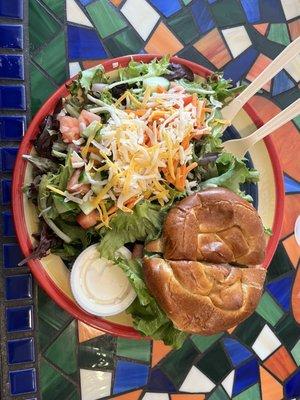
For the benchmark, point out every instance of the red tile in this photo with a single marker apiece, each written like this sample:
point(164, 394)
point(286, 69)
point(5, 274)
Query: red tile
point(294, 28)
point(291, 212)
point(293, 249)
point(286, 139)
point(260, 64)
point(296, 297)
point(271, 389)
point(281, 363)
point(261, 28)
point(212, 47)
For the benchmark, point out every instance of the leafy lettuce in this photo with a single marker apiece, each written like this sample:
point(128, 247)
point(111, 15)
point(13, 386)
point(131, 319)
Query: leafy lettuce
point(148, 317)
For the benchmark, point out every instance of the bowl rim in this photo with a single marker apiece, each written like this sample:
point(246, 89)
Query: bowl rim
point(23, 237)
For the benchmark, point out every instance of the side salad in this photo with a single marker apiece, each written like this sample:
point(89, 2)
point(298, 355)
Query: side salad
point(117, 153)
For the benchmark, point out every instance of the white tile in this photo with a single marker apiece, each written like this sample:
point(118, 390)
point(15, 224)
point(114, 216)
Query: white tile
point(293, 68)
point(196, 382)
point(75, 14)
point(94, 384)
point(237, 39)
point(74, 68)
point(228, 383)
point(297, 230)
point(156, 396)
point(141, 16)
point(291, 8)
point(265, 343)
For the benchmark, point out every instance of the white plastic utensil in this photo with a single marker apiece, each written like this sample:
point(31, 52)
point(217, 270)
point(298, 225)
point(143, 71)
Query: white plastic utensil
point(230, 111)
point(239, 147)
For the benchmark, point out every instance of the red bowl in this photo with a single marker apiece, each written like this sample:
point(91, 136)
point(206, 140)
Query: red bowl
point(18, 208)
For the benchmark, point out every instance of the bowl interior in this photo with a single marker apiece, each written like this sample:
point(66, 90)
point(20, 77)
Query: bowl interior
point(51, 272)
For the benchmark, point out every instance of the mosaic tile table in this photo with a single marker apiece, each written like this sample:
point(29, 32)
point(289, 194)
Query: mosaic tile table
point(47, 355)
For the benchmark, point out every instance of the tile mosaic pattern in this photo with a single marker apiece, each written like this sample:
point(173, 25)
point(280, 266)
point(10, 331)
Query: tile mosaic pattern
point(258, 359)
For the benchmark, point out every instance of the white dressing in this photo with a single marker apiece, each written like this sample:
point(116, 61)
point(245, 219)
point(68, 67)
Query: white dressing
point(98, 285)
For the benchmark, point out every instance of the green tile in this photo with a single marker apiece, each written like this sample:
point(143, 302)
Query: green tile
point(125, 42)
point(215, 363)
point(97, 353)
point(269, 309)
point(228, 12)
point(106, 19)
point(297, 121)
point(57, 6)
point(42, 27)
point(50, 312)
point(54, 386)
point(136, 349)
point(178, 363)
point(288, 331)
point(186, 2)
point(286, 98)
point(63, 351)
point(218, 394)
point(248, 330)
point(296, 352)
point(204, 342)
point(75, 396)
point(280, 264)
point(179, 24)
point(40, 90)
point(253, 393)
point(279, 33)
point(46, 333)
point(52, 58)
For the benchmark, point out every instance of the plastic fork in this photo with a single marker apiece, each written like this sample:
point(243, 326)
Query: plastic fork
point(291, 51)
point(239, 147)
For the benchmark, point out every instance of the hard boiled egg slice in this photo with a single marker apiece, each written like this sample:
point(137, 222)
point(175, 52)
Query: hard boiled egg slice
point(99, 286)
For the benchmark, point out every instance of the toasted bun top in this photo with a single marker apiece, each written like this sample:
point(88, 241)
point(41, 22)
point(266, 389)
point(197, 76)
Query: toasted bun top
point(203, 298)
point(214, 225)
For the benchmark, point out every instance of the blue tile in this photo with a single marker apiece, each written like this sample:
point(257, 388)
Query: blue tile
point(281, 290)
point(202, 16)
point(6, 191)
point(12, 255)
point(19, 319)
point(12, 97)
point(245, 376)
point(238, 67)
point(11, 36)
point(7, 158)
point(158, 382)
point(11, 8)
point(85, 2)
point(291, 186)
point(167, 7)
point(12, 128)
point(23, 381)
point(11, 66)
point(84, 44)
point(236, 351)
point(271, 11)
point(292, 386)
point(129, 375)
point(20, 351)
point(251, 9)
point(18, 287)
point(212, 1)
point(8, 225)
point(281, 83)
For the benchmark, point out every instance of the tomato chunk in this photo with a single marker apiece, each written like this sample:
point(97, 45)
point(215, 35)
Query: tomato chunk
point(87, 221)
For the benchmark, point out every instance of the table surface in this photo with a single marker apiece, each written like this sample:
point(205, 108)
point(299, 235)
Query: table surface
point(45, 354)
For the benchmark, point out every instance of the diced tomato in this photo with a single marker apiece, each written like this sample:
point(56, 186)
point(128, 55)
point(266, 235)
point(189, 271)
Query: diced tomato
point(69, 127)
point(87, 221)
point(187, 100)
point(87, 117)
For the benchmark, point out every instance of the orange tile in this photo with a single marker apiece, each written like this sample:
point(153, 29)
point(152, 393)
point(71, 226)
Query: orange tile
point(212, 46)
point(129, 396)
point(159, 351)
point(187, 396)
point(293, 249)
point(169, 44)
point(294, 28)
point(116, 2)
point(91, 63)
point(291, 212)
point(271, 389)
point(286, 139)
point(260, 64)
point(296, 297)
point(86, 332)
point(281, 364)
point(261, 28)
point(230, 330)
